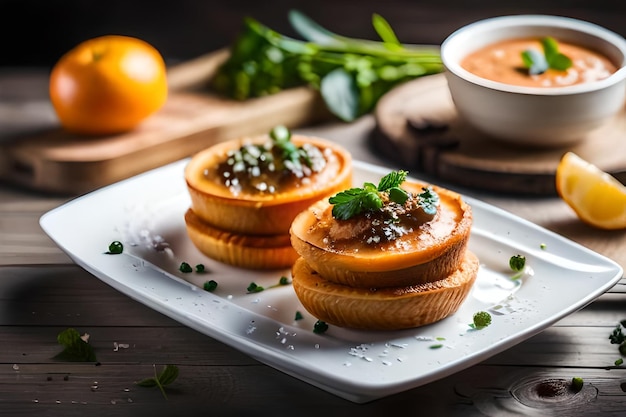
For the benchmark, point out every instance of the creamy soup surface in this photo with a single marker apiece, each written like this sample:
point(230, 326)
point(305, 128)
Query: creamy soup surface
point(502, 62)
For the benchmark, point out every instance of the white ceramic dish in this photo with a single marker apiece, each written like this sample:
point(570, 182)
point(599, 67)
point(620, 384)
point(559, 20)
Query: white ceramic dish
point(146, 214)
point(540, 117)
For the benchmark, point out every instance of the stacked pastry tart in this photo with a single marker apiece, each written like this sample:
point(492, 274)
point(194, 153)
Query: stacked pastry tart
point(246, 192)
point(386, 256)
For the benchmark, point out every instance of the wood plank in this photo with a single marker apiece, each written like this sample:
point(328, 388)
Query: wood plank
point(69, 389)
point(43, 301)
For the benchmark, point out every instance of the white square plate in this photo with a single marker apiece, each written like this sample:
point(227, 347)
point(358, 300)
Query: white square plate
point(146, 214)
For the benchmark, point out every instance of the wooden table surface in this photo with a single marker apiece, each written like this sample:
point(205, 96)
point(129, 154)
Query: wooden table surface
point(42, 292)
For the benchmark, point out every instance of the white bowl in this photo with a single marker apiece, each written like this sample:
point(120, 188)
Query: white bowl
point(537, 116)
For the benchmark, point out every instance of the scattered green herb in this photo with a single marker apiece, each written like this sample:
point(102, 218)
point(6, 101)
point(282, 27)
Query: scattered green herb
point(437, 346)
point(320, 327)
point(200, 268)
point(351, 202)
point(481, 320)
point(538, 63)
point(298, 316)
point(517, 263)
point(291, 154)
point(210, 286)
point(543, 246)
point(276, 157)
point(351, 74)
point(115, 248)
point(162, 379)
point(76, 347)
point(617, 337)
point(253, 287)
point(281, 282)
point(577, 384)
point(429, 200)
point(185, 268)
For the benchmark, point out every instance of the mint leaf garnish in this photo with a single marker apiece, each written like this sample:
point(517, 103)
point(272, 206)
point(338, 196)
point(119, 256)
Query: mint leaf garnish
point(354, 201)
point(538, 63)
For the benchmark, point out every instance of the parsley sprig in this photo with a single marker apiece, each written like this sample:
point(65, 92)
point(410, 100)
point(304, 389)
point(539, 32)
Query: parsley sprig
point(538, 63)
point(354, 201)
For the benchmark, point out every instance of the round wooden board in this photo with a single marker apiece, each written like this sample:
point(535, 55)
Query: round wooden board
point(418, 127)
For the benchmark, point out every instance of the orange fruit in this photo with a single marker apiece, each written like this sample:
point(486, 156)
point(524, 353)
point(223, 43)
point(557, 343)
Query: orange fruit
point(597, 197)
point(108, 85)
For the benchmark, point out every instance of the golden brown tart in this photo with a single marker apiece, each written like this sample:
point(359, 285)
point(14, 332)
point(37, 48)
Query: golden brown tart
point(246, 192)
point(405, 256)
point(390, 308)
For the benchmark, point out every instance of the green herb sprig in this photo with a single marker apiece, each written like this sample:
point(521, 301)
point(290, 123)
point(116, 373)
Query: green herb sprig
point(162, 379)
point(538, 63)
point(354, 201)
point(351, 74)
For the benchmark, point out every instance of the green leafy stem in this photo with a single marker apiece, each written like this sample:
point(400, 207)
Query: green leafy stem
point(161, 379)
point(351, 74)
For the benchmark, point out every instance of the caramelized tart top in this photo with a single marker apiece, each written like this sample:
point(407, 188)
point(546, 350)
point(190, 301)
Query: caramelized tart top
point(259, 169)
point(398, 235)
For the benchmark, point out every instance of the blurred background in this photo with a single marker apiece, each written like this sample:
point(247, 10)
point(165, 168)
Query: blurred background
point(38, 32)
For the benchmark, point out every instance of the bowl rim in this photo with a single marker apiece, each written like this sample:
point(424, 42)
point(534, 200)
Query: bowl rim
point(505, 22)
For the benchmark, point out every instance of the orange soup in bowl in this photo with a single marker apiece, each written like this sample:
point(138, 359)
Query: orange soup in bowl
point(502, 62)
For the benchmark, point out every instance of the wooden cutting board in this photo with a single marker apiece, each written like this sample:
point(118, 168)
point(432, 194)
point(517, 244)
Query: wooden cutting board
point(192, 119)
point(417, 126)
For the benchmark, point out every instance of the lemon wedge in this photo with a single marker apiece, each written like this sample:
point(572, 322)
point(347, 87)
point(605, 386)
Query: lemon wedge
point(597, 197)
